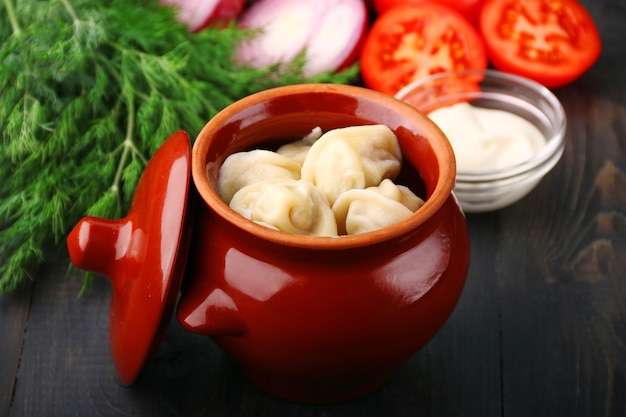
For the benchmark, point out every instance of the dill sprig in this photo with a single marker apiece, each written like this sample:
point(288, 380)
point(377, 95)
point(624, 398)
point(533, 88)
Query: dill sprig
point(89, 90)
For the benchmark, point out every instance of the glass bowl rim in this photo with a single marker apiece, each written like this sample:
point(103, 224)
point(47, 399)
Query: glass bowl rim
point(554, 144)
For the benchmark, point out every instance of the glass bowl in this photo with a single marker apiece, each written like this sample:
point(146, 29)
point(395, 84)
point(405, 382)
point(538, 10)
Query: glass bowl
point(492, 189)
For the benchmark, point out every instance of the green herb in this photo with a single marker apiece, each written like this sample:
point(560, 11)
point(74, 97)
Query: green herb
point(89, 89)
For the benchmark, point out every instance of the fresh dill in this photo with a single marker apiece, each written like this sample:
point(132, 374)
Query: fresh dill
point(89, 90)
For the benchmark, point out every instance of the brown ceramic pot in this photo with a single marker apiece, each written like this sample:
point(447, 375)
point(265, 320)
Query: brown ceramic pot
point(323, 319)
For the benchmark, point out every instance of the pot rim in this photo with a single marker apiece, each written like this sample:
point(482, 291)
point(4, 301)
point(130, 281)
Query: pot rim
point(439, 144)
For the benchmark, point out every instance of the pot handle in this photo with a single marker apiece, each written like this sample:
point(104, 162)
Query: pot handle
point(216, 315)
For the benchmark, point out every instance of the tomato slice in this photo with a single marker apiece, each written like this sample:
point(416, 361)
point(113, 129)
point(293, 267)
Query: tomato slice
point(412, 41)
point(468, 8)
point(550, 41)
point(381, 6)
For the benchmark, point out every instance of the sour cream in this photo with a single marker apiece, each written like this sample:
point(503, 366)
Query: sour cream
point(486, 139)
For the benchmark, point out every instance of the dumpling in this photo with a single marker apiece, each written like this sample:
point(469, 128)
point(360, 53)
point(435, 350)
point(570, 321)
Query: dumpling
point(400, 193)
point(363, 210)
point(299, 149)
point(352, 157)
point(293, 206)
point(245, 168)
point(296, 151)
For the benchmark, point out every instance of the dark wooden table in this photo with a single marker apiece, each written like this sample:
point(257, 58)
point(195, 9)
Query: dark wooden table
point(540, 329)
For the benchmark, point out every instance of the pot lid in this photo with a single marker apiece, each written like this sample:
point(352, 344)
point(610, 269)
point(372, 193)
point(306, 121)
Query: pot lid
point(143, 255)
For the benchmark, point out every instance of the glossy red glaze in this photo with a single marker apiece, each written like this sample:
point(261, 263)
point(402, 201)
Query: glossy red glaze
point(144, 256)
point(323, 319)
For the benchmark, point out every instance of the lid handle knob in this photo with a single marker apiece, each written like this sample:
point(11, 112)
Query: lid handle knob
point(94, 244)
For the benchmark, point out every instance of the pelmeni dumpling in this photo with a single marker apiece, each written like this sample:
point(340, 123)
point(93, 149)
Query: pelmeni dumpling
point(299, 149)
point(352, 157)
point(293, 206)
point(400, 193)
point(363, 210)
point(244, 168)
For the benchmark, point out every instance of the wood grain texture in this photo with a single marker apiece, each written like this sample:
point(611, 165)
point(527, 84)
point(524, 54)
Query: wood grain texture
point(67, 369)
point(14, 309)
point(540, 329)
point(562, 266)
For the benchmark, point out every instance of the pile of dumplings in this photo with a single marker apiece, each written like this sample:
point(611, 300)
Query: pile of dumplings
point(331, 184)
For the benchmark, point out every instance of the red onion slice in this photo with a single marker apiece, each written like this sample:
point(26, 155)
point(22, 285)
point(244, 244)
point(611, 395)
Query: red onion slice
point(331, 31)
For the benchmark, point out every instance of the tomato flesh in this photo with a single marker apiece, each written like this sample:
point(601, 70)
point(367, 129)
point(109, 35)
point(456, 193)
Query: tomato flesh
point(412, 41)
point(550, 41)
point(470, 9)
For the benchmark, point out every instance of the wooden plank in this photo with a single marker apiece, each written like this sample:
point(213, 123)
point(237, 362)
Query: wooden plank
point(563, 322)
point(563, 281)
point(65, 353)
point(67, 369)
point(14, 309)
point(460, 368)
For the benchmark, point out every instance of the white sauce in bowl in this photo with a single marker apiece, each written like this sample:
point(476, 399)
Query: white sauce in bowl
point(487, 139)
